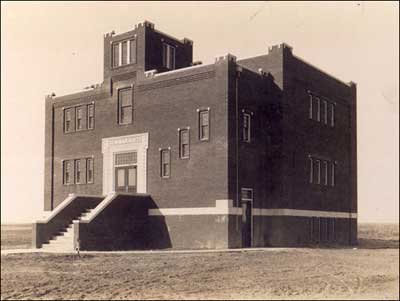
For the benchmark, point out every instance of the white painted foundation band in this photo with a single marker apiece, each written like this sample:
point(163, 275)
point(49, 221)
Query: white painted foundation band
point(224, 207)
point(302, 213)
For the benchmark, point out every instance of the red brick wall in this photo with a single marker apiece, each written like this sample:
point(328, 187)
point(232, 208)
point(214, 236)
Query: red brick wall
point(161, 106)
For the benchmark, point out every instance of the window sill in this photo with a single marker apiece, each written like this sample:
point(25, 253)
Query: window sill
point(72, 184)
point(123, 66)
point(78, 131)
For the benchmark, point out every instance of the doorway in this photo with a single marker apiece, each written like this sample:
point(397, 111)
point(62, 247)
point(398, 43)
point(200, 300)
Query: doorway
point(126, 172)
point(247, 217)
point(125, 179)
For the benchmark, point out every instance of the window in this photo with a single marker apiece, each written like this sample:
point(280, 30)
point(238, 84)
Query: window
point(204, 130)
point(126, 158)
point(90, 113)
point(321, 110)
point(125, 106)
point(332, 115)
point(89, 170)
point(67, 171)
point(246, 194)
point(165, 163)
point(246, 127)
point(332, 230)
point(68, 120)
point(184, 149)
point(325, 114)
point(168, 56)
point(318, 173)
point(316, 108)
point(115, 54)
point(123, 53)
point(132, 51)
point(321, 171)
point(78, 171)
point(325, 173)
point(79, 118)
point(311, 170)
point(316, 227)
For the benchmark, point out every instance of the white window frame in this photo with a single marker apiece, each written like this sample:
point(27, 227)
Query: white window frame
point(87, 170)
point(120, 105)
point(180, 130)
point(168, 149)
point(129, 60)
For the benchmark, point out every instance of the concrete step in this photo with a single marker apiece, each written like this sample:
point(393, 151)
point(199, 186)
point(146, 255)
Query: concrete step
point(61, 238)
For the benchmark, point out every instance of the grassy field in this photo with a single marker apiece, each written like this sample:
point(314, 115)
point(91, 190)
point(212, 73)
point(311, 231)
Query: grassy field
point(16, 236)
point(369, 272)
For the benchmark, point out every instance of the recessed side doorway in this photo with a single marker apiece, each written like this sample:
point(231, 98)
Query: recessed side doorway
point(247, 217)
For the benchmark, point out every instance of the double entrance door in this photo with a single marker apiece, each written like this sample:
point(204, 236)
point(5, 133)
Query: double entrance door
point(126, 172)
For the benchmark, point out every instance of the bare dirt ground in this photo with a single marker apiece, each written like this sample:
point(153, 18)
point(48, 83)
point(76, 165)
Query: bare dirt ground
point(369, 272)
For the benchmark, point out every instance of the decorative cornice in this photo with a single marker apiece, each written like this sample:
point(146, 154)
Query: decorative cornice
point(176, 81)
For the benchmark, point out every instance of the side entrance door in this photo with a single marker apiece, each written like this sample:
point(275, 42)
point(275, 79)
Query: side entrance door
point(125, 179)
point(247, 218)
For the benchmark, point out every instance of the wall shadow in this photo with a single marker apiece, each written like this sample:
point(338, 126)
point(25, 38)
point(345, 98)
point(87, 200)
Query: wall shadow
point(125, 225)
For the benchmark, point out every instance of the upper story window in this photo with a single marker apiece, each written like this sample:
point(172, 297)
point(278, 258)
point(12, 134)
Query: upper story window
point(115, 54)
point(321, 110)
point(322, 171)
point(125, 106)
point(79, 118)
point(165, 162)
point(123, 53)
point(184, 147)
point(246, 127)
point(68, 121)
point(90, 113)
point(168, 56)
point(204, 124)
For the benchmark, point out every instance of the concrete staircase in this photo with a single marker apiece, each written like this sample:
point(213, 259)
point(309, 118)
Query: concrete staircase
point(63, 241)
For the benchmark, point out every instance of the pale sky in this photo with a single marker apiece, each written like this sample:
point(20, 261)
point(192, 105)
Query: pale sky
point(58, 47)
